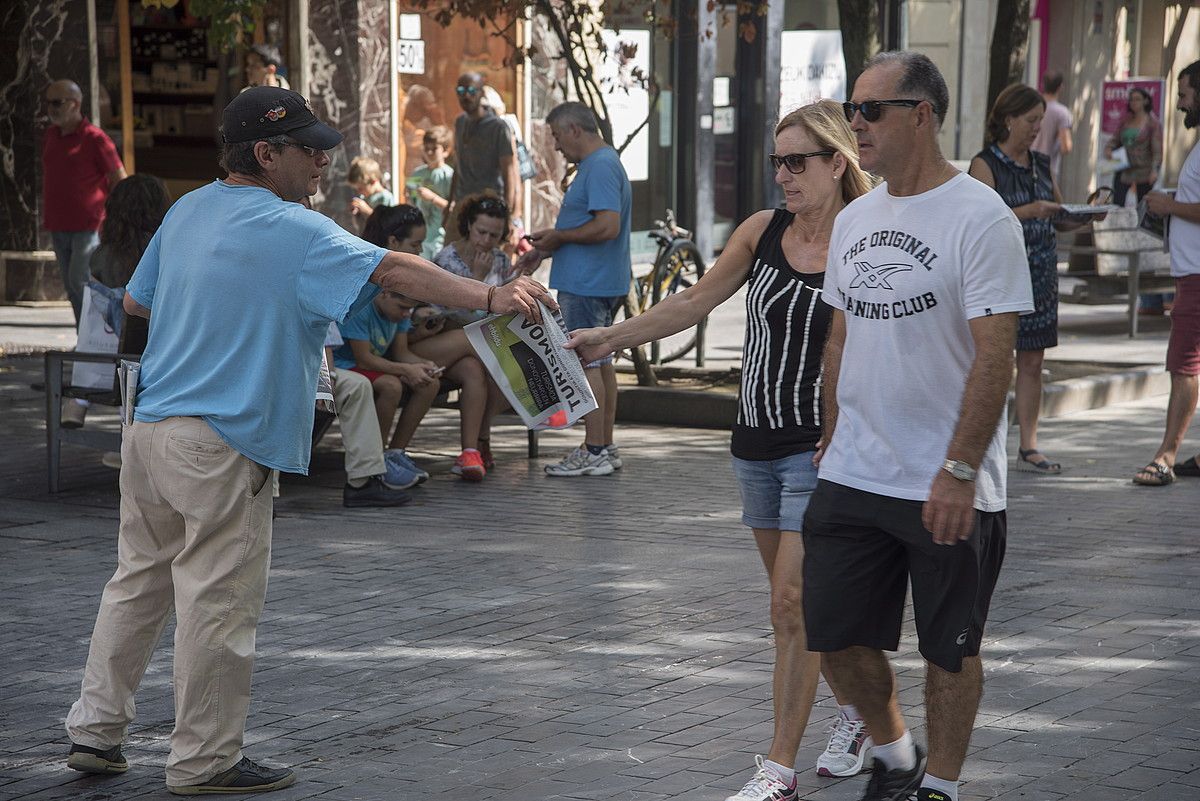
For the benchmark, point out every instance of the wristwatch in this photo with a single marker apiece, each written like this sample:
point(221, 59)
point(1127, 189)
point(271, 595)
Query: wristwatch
point(960, 470)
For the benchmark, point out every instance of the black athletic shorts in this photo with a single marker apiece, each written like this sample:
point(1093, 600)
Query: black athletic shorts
point(861, 550)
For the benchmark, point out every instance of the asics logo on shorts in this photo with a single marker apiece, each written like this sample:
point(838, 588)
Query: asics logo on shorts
point(962, 638)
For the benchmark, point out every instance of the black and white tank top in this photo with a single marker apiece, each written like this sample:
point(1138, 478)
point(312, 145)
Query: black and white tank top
point(787, 322)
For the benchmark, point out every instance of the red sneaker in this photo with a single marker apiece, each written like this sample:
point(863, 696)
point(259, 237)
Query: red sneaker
point(485, 453)
point(469, 465)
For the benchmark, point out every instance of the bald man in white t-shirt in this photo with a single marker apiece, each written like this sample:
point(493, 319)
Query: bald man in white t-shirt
point(926, 275)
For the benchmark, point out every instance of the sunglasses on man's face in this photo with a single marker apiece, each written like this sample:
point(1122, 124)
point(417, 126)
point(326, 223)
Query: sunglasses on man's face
point(311, 152)
point(466, 90)
point(795, 161)
point(872, 110)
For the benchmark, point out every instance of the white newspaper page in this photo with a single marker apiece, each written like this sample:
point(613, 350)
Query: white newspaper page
point(542, 380)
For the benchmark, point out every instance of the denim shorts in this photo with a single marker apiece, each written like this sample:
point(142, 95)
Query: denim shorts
point(775, 493)
point(582, 311)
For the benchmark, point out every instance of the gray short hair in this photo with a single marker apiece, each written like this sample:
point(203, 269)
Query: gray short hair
point(921, 77)
point(573, 113)
point(239, 156)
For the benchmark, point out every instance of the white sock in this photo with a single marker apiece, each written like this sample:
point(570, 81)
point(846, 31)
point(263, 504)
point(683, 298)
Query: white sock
point(786, 775)
point(900, 755)
point(947, 788)
point(849, 712)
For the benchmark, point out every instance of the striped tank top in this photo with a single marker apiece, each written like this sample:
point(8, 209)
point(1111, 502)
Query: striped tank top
point(787, 322)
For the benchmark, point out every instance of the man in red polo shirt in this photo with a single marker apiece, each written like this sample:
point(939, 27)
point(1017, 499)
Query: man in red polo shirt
point(79, 166)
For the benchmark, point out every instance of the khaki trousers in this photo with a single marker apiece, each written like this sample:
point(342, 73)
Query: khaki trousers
point(195, 535)
point(359, 424)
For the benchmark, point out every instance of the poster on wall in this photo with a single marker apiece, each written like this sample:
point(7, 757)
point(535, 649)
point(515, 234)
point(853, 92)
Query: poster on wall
point(811, 67)
point(627, 99)
point(1114, 97)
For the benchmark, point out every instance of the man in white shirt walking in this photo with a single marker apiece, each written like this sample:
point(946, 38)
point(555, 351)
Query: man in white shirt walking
point(926, 275)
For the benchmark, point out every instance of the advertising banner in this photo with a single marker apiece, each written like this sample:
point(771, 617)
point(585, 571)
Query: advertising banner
point(811, 67)
point(1114, 95)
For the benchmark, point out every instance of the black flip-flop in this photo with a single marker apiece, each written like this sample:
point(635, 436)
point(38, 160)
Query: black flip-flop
point(1159, 475)
point(1188, 468)
point(1041, 465)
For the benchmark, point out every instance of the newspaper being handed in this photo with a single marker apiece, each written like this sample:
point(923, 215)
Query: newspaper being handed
point(542, 380)
point(1157, 225)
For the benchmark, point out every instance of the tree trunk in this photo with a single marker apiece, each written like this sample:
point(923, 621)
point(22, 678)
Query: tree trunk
point(859, 21)
point(1010, 40)
point(641, 365)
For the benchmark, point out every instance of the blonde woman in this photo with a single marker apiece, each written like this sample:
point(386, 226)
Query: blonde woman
point(780, 255)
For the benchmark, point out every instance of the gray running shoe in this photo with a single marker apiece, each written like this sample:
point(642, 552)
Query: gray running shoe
point(581, 462)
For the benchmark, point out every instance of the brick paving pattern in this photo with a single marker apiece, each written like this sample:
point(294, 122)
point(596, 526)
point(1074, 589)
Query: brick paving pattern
point(533, 638)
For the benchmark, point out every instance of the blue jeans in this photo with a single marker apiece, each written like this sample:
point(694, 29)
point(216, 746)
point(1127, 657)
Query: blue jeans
point(73, 249)
point(775, 493)
point(584, 311)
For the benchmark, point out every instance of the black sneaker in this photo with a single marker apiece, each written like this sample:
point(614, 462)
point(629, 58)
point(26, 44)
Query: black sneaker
point(94, 760)
point(244, 777)
point(929, 794)
point(895, 785)
point(373, 493)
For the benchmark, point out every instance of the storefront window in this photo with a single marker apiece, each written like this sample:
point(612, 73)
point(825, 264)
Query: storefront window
point(426, 90)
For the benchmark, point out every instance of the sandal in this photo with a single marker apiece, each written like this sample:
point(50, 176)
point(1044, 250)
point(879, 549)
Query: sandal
point(1039, 465)
point(1188, 468)
point(1154, 474)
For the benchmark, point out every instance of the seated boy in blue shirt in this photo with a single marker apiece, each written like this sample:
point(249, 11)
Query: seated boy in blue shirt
point(376, 345)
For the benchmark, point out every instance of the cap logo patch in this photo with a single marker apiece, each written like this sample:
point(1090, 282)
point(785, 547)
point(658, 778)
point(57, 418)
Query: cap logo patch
point(276, 114)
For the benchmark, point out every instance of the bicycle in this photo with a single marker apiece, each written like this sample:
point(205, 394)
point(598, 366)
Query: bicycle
point(677, 266)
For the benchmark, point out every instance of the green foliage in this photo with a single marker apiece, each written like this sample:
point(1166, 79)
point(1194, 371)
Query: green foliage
point(231, 21)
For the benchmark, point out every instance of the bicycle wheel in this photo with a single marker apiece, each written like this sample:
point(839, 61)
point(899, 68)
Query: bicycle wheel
point(679, 267)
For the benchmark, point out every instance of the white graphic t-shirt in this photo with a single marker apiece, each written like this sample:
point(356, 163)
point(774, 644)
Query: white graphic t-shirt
point(909, 272)
point(1185, 234)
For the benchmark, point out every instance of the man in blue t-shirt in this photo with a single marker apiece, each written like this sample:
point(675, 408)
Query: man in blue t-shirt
point(243, 282)
point(591, 268)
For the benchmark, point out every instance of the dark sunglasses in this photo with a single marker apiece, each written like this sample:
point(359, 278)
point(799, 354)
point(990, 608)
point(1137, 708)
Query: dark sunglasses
point(466, 90)
point(795, 161)
point(311, 152)
point(872, 110)
point(489, 205)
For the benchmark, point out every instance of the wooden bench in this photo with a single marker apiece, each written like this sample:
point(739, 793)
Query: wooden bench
point(1118, 258)
point(56, 390)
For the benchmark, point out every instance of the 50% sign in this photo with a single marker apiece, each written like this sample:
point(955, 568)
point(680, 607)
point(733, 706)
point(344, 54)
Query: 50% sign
point(410, 56)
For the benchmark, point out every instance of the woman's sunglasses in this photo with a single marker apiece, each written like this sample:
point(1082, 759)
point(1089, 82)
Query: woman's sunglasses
point(872, 110)
point(795, 161)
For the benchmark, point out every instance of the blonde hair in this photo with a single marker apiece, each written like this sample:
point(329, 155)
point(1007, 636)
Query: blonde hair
point(363, 171)
point(825, 122)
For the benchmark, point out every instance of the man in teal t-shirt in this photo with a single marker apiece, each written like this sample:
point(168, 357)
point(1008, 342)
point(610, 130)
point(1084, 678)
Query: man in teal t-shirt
point(240, 284)
point(591, 268)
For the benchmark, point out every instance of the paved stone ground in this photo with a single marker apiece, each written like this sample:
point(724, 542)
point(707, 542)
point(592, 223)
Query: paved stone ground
point(530, 639)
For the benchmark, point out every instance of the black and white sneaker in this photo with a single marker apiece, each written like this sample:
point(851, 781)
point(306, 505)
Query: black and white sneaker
point(895, 785)
point(95, 760)
point(246, 776)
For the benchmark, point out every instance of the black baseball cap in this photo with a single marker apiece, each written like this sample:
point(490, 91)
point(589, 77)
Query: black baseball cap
point(264, 111)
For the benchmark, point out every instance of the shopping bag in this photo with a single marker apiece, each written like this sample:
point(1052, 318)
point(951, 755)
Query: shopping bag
point(95, 336)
